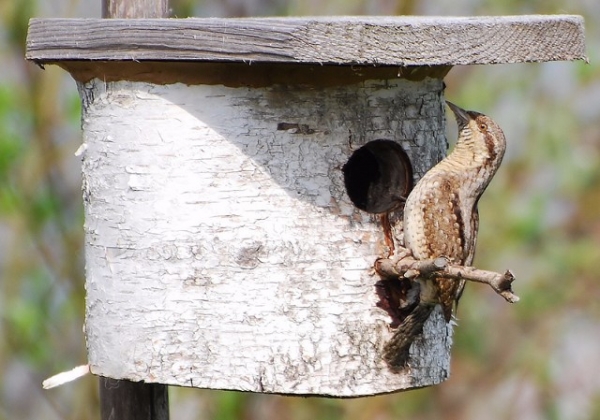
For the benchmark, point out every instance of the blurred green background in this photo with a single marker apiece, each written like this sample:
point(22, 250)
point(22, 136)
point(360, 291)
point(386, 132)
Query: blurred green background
point(538, 359)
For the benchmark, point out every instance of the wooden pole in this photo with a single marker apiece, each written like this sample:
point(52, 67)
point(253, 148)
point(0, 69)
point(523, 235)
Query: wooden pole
point(135, 9)
point(121, 399)
point(133, 400)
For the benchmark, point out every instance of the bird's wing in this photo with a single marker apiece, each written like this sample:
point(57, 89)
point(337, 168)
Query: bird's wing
point(444, 217)
point(470, 251)
point(472, 243)
point(444, 223)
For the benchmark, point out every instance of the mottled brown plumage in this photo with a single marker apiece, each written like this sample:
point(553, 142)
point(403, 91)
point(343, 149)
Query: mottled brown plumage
point(440, 215)
point(441, 219)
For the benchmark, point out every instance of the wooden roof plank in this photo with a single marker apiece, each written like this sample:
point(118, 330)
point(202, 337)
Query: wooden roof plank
point(396, 41)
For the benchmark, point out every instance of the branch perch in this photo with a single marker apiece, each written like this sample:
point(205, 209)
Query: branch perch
point(404, 266)
point(407, 267)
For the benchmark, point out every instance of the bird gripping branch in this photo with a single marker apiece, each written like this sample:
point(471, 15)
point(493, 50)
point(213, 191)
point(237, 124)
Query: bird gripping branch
point(441, 219)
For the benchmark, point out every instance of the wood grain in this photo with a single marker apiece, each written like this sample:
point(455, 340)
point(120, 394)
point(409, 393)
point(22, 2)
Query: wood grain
point(398, 41)
point(125, 9)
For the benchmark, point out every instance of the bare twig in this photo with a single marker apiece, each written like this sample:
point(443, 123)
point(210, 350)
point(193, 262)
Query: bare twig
point(408, 267)
point(501, 283)
point(403, 265)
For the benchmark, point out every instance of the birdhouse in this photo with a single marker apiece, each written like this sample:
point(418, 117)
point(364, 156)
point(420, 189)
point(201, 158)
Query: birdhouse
point(234, 171)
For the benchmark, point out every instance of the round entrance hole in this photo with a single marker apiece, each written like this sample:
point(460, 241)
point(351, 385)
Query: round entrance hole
point(378, 176)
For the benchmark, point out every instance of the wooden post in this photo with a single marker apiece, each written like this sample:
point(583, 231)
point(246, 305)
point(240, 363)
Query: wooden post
point(123, 399)
point(135, 9)
point(223, 250)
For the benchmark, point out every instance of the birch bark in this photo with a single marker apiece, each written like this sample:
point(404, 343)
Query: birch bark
point(222, 250)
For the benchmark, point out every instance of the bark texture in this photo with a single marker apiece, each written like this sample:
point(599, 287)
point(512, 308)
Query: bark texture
point(222, 250)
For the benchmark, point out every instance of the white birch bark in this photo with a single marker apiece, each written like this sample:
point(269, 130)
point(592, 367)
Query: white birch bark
point(224, 253)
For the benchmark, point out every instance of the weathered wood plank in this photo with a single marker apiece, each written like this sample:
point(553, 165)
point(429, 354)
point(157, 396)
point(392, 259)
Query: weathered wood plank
point(126, 9)
point(240, 74)
point(398, 41)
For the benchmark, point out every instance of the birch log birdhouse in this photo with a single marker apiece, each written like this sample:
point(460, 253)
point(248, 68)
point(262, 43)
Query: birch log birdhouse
point(226, 166)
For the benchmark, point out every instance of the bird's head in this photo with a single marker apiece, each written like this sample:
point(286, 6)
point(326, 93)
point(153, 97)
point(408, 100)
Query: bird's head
point(479, 134)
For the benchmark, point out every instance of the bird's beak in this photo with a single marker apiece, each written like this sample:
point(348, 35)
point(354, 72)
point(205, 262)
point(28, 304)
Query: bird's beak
point(462, 118)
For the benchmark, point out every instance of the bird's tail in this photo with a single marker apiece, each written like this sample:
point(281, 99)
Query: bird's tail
point(396, 351)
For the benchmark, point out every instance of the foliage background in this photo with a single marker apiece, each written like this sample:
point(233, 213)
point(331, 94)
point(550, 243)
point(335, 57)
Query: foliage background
point(535, 360)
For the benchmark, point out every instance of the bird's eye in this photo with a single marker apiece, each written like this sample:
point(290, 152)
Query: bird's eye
point(483, 126)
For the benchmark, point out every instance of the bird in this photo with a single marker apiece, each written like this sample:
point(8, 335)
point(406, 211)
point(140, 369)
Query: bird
point(441, 219)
